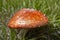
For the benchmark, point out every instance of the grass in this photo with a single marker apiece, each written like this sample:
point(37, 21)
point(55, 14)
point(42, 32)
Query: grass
point(49, 7)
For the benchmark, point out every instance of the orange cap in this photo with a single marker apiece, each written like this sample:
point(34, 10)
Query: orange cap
point(27, 18)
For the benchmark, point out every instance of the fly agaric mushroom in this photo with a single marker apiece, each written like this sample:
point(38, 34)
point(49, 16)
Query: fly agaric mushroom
point(27, 18)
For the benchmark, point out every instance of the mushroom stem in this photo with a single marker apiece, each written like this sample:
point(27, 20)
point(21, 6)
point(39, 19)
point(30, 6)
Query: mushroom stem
point(20, 34)
point(17, 32)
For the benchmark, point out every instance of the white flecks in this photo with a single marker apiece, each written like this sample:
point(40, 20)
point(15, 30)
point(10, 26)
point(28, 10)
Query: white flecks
point(41, 18)
point(24, 11)
point(17, 16)
point(21, 22)
point(30, 9)
point(44, 14)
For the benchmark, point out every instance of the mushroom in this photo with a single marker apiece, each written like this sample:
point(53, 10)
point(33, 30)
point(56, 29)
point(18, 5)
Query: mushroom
point(27, 18)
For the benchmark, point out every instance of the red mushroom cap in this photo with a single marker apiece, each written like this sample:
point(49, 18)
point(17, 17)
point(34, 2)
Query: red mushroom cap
point(27, 18)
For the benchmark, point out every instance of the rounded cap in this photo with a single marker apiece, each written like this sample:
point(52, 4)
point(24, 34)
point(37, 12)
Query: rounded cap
point(27, 18)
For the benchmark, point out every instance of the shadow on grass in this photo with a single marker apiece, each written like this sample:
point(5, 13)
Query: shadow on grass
point(43, 33)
